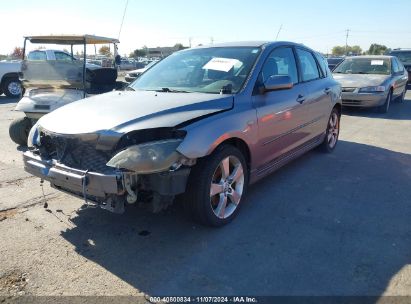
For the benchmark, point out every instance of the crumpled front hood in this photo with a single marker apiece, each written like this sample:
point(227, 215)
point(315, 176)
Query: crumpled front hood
point(359, 80)
point(121, 112)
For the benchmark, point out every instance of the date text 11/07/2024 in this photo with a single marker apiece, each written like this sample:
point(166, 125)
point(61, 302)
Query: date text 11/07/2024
point(183, 299)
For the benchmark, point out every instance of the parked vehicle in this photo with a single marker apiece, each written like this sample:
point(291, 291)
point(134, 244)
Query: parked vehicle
point(404, 55)
point(54, 78)
point(127, 64)
point(241, 111)
point(371, 81)
point(333, 62)
point(9, 78)
point(133, 75)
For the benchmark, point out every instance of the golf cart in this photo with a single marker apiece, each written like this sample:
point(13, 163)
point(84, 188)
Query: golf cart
point(54, 78)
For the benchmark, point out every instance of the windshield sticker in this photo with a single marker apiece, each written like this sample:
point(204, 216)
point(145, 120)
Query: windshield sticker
point(377, 62)
point(220, 64)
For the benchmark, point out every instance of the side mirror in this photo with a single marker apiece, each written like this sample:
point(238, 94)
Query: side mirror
point(277, 82)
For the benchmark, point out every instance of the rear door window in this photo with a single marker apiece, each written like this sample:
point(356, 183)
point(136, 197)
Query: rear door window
point(61, 56)
point(37, 55)
point(309, 68)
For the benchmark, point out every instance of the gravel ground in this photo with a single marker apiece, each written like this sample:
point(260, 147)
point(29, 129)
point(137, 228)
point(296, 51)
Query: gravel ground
point(334, 224)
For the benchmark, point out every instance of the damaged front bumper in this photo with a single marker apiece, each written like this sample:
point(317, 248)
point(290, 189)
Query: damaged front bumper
point(109, 191)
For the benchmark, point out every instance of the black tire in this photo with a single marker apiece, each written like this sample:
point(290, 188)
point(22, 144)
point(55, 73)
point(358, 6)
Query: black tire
point(19, 130)
point(386, 106)
point(329, 144)
point(12, 81)
point(198, 200)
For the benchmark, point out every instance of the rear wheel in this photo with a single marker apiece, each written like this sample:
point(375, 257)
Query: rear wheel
point(216, 187)
point(332, 132)
point(386, 106)
point(19, 130)
point(12, 87)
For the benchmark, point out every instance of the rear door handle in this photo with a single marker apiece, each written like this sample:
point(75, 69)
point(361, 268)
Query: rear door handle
point(327, 90)
point(300, 98)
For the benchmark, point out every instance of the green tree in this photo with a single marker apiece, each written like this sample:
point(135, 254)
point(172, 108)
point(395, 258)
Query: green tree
point(350, 50)
point(179, 46)
point(338, 50)
point(138, 53)
point(104, 50)
point(377, 49)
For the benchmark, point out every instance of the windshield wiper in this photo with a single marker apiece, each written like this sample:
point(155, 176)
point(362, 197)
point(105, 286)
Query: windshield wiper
point(168, 90)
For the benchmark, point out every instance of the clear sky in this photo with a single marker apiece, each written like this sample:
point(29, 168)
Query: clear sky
point(319, 24)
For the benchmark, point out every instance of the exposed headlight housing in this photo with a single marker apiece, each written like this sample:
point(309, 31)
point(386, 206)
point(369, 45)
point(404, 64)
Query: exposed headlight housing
point(149, 157)
point(34, 137)
point(377, 89)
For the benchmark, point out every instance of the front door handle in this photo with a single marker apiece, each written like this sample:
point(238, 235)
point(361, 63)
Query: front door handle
point(300, 98)
point(327, 90)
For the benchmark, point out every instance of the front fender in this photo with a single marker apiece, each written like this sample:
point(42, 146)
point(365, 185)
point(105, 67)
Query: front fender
point(205, 135)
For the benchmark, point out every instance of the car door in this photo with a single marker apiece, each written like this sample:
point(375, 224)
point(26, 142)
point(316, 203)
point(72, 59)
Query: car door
point(400, 77)
point(318, 89)
point(280, 114)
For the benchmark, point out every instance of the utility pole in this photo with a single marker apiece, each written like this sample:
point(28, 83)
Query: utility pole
point(347, 32)
point(278, 33)
point(190, 39)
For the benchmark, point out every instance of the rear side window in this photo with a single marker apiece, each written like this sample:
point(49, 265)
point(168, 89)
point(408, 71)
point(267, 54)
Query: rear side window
point(61, 56)
point(395, 66)
point(37, 55)
point(400, 66)
point(280, 62)
point(309, 68)
point(323, 64)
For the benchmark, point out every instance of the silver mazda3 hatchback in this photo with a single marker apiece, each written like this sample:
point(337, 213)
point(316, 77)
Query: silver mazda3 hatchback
point(200, 125)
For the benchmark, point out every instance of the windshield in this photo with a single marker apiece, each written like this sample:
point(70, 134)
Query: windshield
point(380, 66)
point(205, 70)
point(404, 57)
point(334, 60)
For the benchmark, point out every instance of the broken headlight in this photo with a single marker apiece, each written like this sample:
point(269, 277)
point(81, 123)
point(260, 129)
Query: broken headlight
point(149, 157)
point(34, 137)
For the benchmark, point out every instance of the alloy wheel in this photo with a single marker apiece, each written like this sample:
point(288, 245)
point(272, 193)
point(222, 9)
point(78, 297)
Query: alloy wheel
point(14, 88)
point(227, 187)
point(333, 130)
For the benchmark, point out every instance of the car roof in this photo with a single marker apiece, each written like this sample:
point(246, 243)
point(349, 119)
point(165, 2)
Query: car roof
point(400, 50)
point(71, 39)
point(52, 50)
point(370, 57)
point(249, 44)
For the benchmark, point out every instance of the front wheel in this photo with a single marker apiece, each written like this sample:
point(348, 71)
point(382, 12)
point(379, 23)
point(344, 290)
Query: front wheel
point(216, 186)
point(332, 132)
point(386, 106)
point(19, 130)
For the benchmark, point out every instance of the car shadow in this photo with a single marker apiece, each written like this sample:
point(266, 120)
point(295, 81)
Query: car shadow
point(326, 224)
point(6, 100)
point(397, 111)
